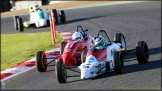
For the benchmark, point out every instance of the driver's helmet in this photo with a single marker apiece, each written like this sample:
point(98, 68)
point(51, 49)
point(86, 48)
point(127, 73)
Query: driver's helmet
point(31, 9)
point(36, 7)
point(77, 35)
point(99, 43)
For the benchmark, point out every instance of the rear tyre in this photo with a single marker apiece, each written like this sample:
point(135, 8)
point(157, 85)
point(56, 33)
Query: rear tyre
point(41, 61)
point(20, 24)
point(119, 38)
point(117, 63)
point(62, 46)
point(48, 23)
point(83, 55)
point(61, 72)
point(62, 17)
point(55, 15)
point(15, 22)
point(142, 52)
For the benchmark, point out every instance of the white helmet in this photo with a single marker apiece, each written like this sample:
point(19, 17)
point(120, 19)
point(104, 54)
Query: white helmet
point(36, 7)
point(77, 35)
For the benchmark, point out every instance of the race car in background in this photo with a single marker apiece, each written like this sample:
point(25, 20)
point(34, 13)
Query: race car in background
point(38, 18)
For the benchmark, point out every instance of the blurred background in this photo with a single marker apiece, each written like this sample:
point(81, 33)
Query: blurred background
point(9, 5)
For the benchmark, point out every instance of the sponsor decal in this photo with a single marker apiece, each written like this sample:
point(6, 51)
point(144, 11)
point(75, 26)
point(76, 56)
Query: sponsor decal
point(92, 72)
point(91, 58)
point(84, 71)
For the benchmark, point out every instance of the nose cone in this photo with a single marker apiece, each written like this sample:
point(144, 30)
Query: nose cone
point(88, 71)
point(85, 74)
point(68, 59)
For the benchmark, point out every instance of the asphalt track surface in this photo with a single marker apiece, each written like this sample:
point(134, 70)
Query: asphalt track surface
point(137, 21)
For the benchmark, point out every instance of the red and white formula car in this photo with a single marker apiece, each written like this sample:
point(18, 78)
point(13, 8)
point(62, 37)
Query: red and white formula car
point(70, 54)
point(108, 56)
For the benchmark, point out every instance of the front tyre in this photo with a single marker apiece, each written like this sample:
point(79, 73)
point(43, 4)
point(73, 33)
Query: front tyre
point(48, 22)
point(119, 38)
point(117, 63)
point(142, 52)
point(83, 55)
point(61, 72)
point(41, 61)
point(20, 24)
point(15, 22)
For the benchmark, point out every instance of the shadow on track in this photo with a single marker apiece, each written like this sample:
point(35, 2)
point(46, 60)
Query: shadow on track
point(128, 68)
point(142, 67)
point(50, 70)
point(75, 81)
point(134, 68)
point(74, 75)
point(152, 51)
point(83, 19)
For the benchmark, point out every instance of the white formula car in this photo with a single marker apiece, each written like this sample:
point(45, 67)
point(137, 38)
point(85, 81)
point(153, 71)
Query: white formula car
point(107, 56)
point(37, 21)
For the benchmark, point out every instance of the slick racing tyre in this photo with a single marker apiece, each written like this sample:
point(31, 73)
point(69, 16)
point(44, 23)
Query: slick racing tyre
point(83, 55)
point(15, 22)
point(61, 72)
point(117, 63)
point(20, 24)
point(62, 46)
point(62, 17)
point(119, 38)
point(142, 52)
point(55, 15)
point(48, 22)
point(41, 61)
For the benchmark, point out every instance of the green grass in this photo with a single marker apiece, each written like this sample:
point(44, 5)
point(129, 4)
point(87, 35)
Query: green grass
point(16, 48)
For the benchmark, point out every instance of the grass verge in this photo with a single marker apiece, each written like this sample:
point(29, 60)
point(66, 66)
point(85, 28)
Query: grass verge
point(16, 48)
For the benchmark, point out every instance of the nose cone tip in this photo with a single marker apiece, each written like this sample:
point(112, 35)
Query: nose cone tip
point(85, 76)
